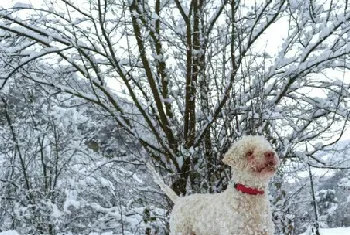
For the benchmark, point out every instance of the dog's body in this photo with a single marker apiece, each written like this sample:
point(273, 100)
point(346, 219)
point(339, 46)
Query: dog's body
point(242, 209)
point(227, 213)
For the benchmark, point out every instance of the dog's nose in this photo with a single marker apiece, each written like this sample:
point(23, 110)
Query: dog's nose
point(269, 155)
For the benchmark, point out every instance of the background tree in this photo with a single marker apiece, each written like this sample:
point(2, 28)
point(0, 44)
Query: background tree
point(52, 182)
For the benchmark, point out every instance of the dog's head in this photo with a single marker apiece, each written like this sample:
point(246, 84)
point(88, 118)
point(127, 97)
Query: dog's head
point(253, 155)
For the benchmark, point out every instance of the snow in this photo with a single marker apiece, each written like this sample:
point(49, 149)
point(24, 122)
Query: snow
point(21, 5)
point(11, 232)
point(71, 200)
point(331, 231)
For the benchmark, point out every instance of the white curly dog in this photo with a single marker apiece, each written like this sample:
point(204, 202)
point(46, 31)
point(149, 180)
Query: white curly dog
point(242, 209)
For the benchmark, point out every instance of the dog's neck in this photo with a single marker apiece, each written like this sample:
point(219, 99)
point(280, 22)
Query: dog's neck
point(250, 182)
point(248, 190)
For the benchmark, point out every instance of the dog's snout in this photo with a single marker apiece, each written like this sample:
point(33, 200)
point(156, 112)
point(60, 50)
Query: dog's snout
point(271, 158)
point(269, 155)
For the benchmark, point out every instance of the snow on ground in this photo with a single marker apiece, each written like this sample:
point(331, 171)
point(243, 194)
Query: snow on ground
point(9, 233)
point(328, 231)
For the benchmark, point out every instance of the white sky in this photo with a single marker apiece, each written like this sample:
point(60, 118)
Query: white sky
point(9, 3)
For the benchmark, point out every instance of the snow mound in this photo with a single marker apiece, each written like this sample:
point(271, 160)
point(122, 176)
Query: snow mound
point(331, 231)
point(12, 232)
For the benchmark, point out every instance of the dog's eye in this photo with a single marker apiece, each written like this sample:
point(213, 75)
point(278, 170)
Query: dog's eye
point(249, 153)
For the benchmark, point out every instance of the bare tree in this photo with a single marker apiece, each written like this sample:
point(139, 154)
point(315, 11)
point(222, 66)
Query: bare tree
point(51, 182)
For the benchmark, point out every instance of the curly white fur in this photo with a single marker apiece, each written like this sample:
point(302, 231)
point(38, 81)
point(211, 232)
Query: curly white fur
point(232, 212)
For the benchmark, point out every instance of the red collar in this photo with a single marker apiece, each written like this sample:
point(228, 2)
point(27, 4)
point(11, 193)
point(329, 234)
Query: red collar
point(248, 190)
